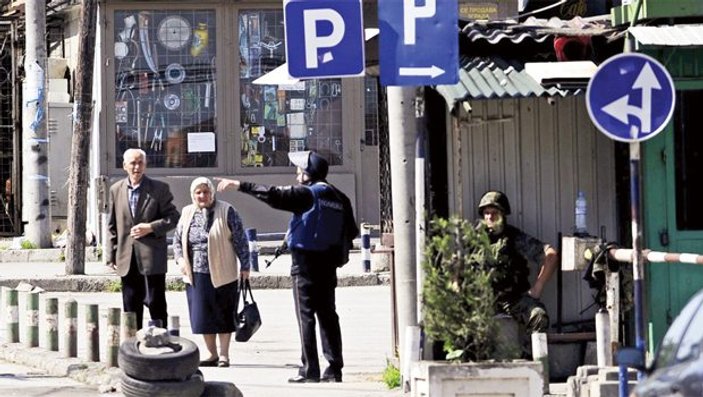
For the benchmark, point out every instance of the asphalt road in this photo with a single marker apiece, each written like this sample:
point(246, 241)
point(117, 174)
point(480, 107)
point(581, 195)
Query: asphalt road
point(18, 380)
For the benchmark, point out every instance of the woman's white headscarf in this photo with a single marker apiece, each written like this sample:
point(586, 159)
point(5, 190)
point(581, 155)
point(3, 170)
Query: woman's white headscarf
point(201, 180)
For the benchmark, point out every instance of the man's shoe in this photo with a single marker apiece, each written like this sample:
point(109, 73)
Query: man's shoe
point(302, 379)
point(331, 378)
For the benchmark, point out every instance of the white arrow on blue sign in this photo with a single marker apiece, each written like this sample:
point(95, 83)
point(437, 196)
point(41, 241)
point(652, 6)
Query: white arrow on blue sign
point(324, 38)
point(631, 97)
point(418, 44)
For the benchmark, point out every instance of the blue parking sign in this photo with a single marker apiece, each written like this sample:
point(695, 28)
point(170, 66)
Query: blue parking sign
point(419, 44)
point(324, 38)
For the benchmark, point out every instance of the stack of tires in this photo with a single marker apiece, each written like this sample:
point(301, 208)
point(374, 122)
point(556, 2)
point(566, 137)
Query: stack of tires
point(173, 373)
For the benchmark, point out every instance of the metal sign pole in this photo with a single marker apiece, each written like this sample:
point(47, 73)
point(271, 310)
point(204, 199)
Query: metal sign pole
point(637, 259)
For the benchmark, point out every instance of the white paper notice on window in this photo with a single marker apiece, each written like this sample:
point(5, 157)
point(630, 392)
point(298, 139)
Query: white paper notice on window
point(297, 104)
point(201, 142)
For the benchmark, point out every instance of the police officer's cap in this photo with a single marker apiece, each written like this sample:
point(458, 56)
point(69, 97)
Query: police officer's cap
point(311, 163)
point(494, 198)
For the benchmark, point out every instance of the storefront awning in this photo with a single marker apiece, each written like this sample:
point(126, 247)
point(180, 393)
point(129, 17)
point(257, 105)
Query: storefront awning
point(669, 36)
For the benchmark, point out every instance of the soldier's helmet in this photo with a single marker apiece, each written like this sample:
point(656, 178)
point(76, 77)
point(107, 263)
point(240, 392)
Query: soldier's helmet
point(494, 198)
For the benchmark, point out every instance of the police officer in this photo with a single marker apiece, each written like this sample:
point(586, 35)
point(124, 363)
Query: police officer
point(514, 294)
point(320, 234)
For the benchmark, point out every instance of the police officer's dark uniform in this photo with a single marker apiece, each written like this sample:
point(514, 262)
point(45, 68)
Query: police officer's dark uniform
point(319, 237)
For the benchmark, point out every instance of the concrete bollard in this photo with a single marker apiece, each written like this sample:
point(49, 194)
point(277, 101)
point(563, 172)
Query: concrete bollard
point(32, 320)
point(253, 249)
point(540, 352)
point(92, 333)
point(71, 328)
point(112, 343)
point(174, 325)
point(12, 316)
point(129, 325)
point(51, 324)
point(366, 247)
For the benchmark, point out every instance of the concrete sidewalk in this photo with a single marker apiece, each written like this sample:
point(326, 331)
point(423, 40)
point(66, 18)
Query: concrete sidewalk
point(51, 274)
point(261, 366)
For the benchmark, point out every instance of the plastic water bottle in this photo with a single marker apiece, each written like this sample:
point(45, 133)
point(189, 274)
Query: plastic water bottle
point(581, 214)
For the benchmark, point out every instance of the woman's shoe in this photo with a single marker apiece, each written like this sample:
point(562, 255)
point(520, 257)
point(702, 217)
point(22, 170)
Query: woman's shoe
point(223, 363)
point(209, 363)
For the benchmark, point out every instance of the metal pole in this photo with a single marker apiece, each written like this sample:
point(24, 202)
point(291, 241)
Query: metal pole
point(12, 315)
point(174, 325)
point(129, 325)
point(366, 247)
point(113, 336)
point(36, 206)
point(71, 333)
point(402, 130)
point(637, 260)
point(51, 321)
point(92, 333)
point(253, 249)
point(420, 216)
point(32, 319)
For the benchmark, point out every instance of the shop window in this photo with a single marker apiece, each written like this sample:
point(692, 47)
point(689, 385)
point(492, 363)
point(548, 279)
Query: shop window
point(689, 156)
point(371, 111)
point(277, 119)
point(165, 86)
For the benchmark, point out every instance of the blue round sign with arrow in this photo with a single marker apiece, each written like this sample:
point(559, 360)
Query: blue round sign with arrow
point(631, 97)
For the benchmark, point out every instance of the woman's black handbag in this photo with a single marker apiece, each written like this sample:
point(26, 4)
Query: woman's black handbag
point(248, 319)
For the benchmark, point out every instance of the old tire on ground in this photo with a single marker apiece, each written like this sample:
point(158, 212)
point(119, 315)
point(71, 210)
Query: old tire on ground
point(193, 386)
point(177, 365)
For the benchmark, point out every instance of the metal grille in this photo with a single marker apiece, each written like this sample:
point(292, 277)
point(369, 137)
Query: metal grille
point(384, 159)
point(8, 213)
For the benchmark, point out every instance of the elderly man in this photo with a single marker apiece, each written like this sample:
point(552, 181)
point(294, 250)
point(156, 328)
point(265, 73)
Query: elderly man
point(141, 213)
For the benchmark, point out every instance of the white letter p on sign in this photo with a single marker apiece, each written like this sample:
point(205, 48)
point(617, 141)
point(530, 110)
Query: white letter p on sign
point(411, 13)
point(313, 42)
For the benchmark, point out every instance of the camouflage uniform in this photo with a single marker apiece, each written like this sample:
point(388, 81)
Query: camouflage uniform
point(512, 279)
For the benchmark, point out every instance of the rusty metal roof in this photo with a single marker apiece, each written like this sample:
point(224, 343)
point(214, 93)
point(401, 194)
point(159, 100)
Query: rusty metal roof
point(537, 29)
point(496, 77)
point(670, 35)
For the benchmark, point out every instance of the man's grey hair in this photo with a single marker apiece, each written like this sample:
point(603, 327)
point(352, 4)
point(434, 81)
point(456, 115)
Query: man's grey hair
point(129, 152)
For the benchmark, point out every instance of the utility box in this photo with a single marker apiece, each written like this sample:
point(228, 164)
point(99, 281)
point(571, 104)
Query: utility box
point(573, 251)
point(60, 131)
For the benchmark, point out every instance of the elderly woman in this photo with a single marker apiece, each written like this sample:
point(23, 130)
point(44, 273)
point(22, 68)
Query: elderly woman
point(208, 239)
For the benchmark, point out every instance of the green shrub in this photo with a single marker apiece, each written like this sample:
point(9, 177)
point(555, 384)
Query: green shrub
point(391, 375)
point(28, 245)
point(457, 293)
point(113, 286)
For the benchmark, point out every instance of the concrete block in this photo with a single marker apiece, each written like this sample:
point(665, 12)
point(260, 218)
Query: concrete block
point(573, 387)
point(613, 374)
point(607, 389)
point(518, 379)
point(586, 370)
point(564, 359)
point(572, 251)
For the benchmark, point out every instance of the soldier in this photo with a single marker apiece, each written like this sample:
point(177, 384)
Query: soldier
point(514, 294)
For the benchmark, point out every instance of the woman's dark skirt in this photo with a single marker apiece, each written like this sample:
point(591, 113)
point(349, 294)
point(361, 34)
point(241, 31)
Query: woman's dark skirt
point(211, 309)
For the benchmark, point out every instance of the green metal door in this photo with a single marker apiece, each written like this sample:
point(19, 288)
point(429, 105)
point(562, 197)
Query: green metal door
point(673, 209)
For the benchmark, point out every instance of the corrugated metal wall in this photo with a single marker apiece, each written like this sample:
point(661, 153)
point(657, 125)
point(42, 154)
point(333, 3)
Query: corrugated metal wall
point(540, 154)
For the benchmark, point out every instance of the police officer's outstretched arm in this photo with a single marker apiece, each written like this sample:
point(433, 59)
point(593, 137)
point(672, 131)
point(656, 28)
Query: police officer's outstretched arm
point(287, 198)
